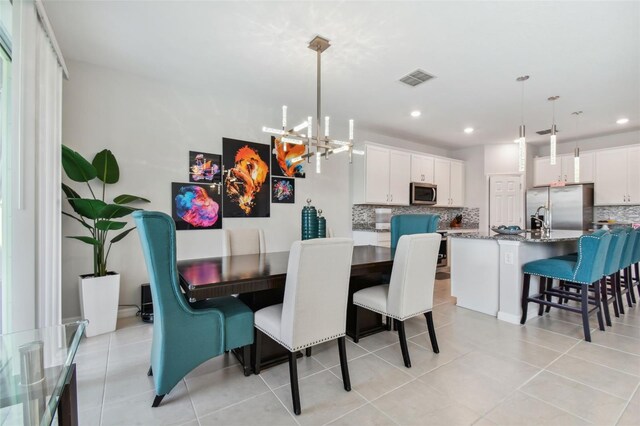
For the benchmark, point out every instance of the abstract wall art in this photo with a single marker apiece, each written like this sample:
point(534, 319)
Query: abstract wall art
point(246, 179)
point(196, 206)
point(204, 167)
point(281, 160)
point(283, 190)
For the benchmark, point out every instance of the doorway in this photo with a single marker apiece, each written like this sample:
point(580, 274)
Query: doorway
point(506, 201)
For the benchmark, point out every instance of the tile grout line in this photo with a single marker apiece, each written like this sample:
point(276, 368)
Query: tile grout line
point(627, 404)
point(193, 406)
point(589, 386)
point(280, 401)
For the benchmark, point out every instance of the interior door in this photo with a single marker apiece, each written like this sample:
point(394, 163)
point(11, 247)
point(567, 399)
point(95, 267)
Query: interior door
point(505, 200)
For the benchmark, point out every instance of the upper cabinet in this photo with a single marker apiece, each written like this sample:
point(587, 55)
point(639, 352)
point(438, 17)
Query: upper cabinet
point(387, 176)
point(421, 168)
point(383, 177)
point(449, 177)
point(617, 176)
point(564, 170)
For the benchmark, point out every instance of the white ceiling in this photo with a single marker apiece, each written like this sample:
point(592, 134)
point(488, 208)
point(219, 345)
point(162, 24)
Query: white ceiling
point(586, 52)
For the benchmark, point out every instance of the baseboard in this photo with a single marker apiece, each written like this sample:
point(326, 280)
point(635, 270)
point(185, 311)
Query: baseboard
point(127, 311)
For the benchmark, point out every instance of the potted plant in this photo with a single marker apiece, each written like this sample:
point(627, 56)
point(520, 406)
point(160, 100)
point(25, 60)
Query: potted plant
point(99, 291)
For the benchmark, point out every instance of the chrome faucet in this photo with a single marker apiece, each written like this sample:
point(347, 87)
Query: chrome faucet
point(546, 223)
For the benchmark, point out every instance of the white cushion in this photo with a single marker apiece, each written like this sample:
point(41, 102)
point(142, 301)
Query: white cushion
point(268, 321)
point(373, 298)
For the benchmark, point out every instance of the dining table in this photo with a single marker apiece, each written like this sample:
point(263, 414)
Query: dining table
point(259, 281)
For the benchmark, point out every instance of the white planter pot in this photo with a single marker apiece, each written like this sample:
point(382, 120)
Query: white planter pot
point(99, 303)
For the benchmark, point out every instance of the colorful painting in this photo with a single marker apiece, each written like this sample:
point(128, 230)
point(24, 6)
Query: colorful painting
point(281, 159)
point(204, 167)
point(283, 190)
point(246, 179)
point(196, 206)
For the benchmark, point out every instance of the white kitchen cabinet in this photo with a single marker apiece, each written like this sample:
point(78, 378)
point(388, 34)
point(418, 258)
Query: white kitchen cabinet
point(421, 168)
point(544, 172)
point(617, 177)
point(564, 170)
point(387, 176)
point(449, 177)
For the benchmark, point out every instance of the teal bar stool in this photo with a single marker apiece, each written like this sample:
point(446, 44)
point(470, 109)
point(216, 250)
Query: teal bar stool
point(587, 271)
point(614, 254)
point(409, 224)
point(624, 284)
point(636, 262)
point(184, 336)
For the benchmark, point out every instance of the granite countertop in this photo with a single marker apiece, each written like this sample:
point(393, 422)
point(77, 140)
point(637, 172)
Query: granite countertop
point(528, 237)
point(371, 227)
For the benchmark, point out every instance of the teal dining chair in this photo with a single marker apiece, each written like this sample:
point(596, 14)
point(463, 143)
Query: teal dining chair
point(184, 335)
point(409, 224)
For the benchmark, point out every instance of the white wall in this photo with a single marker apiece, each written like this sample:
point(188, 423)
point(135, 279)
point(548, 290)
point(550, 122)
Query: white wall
point(150, 127)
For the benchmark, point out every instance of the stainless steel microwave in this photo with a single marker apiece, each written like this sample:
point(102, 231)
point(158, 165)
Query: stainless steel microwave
point(424, 193)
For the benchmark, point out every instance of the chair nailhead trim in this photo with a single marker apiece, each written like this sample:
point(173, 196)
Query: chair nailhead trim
point(297, 348)
point(389, 315)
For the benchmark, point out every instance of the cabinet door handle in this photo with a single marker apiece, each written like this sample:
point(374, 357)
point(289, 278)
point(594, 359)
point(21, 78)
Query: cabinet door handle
point(565, 178)
point(391, 197)
point(387, 197)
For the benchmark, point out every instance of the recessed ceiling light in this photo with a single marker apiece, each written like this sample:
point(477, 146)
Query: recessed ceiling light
point(415, 113)
point(468, 130)
point(623, 121)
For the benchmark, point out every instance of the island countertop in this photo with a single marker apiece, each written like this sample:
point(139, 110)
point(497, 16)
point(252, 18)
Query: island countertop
point(528, 237)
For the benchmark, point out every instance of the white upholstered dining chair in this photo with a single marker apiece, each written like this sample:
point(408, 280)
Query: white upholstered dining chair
point(314, 309)
point(242, 241)
point(410, 290)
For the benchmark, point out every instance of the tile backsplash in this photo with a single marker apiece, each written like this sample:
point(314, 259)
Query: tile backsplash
point(619, 213)
point(365, 214)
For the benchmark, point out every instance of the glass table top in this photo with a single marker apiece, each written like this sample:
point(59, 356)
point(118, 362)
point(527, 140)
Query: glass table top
point(34, 366)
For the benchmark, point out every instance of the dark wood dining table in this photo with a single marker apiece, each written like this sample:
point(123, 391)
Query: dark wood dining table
point(259, 281)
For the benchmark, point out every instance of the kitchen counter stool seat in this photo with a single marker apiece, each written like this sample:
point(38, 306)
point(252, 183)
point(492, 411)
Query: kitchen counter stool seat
point(586, 271)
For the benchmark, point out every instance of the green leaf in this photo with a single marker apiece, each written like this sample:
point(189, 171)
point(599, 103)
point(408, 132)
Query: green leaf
point(106, 166)
point(76, 167)
point(121, 235)
point(70, 193)
point(87, 207)
point(88, 240)
point(79, 220)
point(109, 225)
point(126, 199)
point(113, 211)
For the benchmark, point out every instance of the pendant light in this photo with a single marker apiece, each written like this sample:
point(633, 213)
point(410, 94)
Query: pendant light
point(522, 143)
point(552, 139)
point(576, 151)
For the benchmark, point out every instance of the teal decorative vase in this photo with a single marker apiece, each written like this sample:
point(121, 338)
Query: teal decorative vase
point(322, 225)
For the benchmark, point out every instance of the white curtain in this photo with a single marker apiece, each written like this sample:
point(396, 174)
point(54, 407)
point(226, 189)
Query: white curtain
point(34, 170)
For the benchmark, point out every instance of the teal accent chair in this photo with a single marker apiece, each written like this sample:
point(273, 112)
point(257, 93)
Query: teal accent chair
point(409, 224)
point(184, 335)
point(587, 270)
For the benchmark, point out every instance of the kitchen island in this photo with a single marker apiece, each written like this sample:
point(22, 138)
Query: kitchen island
point(486, 268)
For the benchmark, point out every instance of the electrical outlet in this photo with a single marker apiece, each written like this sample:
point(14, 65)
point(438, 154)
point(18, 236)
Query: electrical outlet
point(508, 258)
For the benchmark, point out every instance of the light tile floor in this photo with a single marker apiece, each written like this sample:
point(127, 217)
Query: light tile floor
point(488, 372)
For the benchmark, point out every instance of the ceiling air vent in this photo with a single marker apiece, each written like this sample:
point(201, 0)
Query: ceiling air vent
point(416, 77)
point(545, 132)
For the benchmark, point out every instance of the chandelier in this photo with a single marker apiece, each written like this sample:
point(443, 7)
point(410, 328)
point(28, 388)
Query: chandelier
point(320, 145)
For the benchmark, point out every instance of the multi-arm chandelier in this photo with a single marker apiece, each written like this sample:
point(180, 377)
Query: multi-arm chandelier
point(318, 146)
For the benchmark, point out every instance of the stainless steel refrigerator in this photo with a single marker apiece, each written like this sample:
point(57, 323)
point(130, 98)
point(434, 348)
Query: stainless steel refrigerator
point(571, 205)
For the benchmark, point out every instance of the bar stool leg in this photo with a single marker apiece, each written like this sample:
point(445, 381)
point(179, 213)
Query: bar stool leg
point(604, 299)
point(542, 284)
point(585, 312)
point(525, 297)
point(619, 292)
point(598, 303)
point(629, 279)
point(548, 287)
